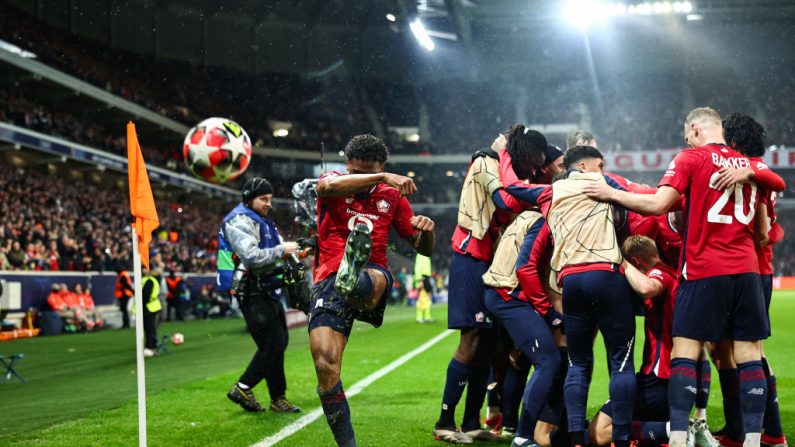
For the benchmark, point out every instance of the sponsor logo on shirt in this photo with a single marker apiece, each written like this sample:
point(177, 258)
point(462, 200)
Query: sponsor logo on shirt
point(383, 206)
point(349, 200)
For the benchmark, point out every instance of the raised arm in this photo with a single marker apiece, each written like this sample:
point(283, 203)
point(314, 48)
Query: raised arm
point(425, 239)
point(345, 185)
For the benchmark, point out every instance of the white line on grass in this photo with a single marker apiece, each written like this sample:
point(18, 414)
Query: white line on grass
point(352, 391)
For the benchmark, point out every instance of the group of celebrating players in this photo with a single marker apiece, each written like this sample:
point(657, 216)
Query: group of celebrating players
point(549, 248)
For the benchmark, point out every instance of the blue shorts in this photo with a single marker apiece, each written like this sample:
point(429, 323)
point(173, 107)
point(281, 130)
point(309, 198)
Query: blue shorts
point(651, 400)
point(767, 292)
point(726, 307)
point(466, 307)
point(328, 308)
point(554, 412)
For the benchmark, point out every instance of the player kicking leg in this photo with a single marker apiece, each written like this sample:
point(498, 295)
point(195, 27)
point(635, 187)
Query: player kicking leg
point(356, 212)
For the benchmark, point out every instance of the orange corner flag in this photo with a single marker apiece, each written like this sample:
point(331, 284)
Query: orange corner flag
point(142, 203)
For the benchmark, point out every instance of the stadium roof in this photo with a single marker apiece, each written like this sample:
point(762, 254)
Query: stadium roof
point(476, 38)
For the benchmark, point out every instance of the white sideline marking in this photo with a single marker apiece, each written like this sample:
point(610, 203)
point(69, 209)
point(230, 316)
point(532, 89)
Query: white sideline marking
point(352, 391)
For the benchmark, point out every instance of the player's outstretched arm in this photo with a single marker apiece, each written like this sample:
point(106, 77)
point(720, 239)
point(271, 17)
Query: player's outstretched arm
point(640, 283)
point(425, 240)
point(759, 173)
point(345, 185)
point(647, 204)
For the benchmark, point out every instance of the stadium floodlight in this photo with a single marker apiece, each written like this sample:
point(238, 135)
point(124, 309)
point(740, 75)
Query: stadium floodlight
point(421, 34)
point(658, 8)
point(581, 13)
point(391, 17)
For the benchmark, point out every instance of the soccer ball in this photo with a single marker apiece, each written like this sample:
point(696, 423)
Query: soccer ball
point(178, 338)
point(217, 150)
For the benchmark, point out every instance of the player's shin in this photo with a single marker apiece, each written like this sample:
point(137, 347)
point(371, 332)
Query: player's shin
point(753, 391)
point(772, 422)
point(457, 376)
point(703, 383)
point(732, 412)
point(338, 415)
point(681, 397)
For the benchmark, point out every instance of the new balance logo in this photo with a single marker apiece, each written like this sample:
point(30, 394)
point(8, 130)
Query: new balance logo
point(757, 391)
point(692, 389)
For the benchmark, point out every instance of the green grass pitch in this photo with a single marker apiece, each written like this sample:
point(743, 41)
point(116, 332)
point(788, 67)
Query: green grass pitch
point(82, 388)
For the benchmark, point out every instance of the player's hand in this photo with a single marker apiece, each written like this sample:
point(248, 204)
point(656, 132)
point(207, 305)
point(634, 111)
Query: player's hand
point(730, 176)
point(404, 185)
point(289, 248)
point(422, 223)
point(499, 143)
point(599, 191)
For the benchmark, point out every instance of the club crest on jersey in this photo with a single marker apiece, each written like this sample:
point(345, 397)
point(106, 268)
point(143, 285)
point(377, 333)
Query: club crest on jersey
point(349, 200)
point(383, 206)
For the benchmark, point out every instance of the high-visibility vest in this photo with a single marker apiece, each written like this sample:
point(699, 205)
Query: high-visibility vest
point(120, 290)
point(152, 302)
point(172, 284)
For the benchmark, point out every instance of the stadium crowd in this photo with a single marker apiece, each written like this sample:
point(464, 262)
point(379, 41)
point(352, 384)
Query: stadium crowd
point(332, 109)
point(85, 226)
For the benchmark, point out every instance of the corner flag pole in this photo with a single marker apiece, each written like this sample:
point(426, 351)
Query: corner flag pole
point(139, 341)
point(142, 208)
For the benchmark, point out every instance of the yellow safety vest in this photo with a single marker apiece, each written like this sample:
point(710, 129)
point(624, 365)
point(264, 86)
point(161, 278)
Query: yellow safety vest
point(152, 302)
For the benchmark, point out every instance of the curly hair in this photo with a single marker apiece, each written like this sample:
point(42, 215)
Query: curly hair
point(367, 148)
point(744, 135)
point(526, 148)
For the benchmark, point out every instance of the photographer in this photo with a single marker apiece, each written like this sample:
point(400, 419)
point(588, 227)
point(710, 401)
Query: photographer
point(250, 266)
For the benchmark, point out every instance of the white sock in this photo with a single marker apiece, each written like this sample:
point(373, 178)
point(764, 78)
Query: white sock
point(668, 428)
point(519, 440)
point(243, 385)
point(701, 414)
point(752, 439)
point(677, 438)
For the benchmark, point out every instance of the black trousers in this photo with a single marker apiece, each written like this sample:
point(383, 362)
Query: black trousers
point(267, 325)
point(150, 328)
point(125, 314)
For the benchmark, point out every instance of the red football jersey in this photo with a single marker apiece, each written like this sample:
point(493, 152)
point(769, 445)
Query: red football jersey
point(380, 210)
point(658, 324)
point(718, 225)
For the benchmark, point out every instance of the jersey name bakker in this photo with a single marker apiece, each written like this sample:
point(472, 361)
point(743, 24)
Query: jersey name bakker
point(718, 225)
point(381, 209)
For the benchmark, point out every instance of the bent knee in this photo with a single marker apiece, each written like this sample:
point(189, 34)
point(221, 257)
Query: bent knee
point(600, 432)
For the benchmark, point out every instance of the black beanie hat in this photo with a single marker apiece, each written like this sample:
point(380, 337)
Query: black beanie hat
point(255, 187)
point(551, 154)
